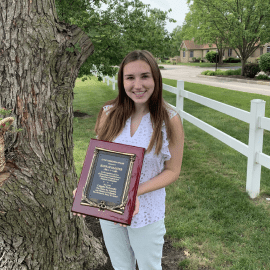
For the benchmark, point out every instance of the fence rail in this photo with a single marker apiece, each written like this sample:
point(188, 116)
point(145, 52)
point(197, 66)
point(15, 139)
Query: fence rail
point(255, 118)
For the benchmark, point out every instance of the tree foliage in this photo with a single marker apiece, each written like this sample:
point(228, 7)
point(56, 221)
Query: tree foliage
point(212, 56)
point(176, 40)
point(124, 26)
point(243, 25)
point(197, 25)
point(264, 63)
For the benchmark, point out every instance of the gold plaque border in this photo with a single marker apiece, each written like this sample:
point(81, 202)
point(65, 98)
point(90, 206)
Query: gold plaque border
point(119, 209)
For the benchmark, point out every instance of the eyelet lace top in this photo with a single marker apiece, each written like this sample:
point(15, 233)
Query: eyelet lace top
point(152, 204)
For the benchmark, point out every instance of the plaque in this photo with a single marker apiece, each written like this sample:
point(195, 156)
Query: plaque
point(109, 181)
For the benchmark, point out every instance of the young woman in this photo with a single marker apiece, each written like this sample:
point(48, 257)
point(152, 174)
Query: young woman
point(139, 116)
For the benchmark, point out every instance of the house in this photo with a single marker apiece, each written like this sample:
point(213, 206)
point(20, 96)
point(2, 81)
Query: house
point(189, 49)
point(261, 50)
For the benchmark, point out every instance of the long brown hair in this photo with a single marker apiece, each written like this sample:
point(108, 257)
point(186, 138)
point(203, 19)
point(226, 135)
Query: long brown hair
point(124, 106)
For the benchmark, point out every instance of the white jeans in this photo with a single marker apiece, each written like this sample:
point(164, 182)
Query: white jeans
point(125, 245)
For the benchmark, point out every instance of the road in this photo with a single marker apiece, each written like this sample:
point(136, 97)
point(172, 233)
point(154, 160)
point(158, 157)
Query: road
point(190, 74)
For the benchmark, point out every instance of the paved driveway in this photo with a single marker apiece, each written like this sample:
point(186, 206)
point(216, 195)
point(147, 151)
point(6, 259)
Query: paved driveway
point(189, 74)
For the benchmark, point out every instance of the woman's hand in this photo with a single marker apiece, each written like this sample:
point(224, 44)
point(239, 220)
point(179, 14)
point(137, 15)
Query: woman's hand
point(136, 211)
point(74, 214)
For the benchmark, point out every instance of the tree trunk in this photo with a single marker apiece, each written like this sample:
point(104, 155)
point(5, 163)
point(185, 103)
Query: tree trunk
point(243, 62)
point(37, 77)
point(220, 56)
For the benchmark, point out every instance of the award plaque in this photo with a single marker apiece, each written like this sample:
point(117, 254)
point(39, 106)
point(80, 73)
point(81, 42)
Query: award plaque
point(109, 181)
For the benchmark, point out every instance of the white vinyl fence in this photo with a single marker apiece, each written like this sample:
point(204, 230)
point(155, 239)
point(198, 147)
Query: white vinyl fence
point(113, 80)
point(255, 118)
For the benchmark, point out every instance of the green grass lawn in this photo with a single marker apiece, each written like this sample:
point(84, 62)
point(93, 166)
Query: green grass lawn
point(208, 212)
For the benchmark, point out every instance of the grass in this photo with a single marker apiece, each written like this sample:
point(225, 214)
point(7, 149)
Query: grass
point(208, 212)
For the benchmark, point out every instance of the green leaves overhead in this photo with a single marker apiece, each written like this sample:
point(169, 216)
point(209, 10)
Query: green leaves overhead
point(175, 42)
point(240, 24)
point(236, 21)
point(124, 26)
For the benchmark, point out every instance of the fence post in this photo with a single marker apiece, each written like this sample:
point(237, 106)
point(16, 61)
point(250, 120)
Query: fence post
point(113, 83)
point(108, 80)
point(180, 98)
point(255, 144)
point(103, 78)
point(95, 70)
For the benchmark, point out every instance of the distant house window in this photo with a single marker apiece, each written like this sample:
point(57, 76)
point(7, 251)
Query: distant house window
point(261, 50)
point(191, 53)
point(229, 52)
point(268, 49)
point(184, 53)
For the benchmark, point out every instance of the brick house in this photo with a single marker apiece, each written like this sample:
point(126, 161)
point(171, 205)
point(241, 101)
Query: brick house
point(261, 50)
point(189, 49)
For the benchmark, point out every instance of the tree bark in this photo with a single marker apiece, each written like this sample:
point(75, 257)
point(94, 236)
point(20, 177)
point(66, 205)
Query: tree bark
point(220, 52)
point(37, 77)
point(243, 62)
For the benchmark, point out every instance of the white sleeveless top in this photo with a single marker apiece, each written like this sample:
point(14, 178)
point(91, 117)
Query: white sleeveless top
point(152, 204)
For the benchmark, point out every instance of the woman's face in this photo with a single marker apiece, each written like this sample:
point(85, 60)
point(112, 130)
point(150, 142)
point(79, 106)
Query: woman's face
point(138, 82)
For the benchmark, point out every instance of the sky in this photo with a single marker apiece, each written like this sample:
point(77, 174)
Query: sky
point(179, 10)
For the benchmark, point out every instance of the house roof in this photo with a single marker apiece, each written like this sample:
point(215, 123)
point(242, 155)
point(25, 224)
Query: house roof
point(190, 45)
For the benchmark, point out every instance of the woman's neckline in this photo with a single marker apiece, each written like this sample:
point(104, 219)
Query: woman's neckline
point(142, 116)
point(137, 127)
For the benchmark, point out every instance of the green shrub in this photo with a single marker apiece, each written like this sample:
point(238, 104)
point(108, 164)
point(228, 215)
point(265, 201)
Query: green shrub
point(211, 57)
point(251, 70)
point(262, 77)
point(229, 72)
point(208, 73)
point(264, 62)
point(232, 60)
point(235, 60)
point(233, 72)
point(238, 71)
point(219, 72)
point(205, 72)
point(161, 67)
point(196, 60)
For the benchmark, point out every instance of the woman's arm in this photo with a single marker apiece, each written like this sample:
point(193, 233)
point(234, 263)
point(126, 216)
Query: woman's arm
point(172, 167)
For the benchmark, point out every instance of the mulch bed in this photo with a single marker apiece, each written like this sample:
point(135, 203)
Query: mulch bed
point(241, 77)
point(237, 77)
